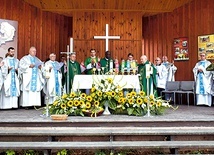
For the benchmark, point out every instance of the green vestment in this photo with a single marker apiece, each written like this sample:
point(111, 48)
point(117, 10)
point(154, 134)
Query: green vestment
point(152, 79)
point(105, 63)
point(87, 62)
point(74, 69)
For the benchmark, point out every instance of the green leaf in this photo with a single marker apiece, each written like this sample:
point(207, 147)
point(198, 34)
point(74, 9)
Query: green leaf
point(130, 111)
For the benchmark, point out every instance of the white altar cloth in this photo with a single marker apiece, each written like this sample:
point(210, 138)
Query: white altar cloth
point(86, 81)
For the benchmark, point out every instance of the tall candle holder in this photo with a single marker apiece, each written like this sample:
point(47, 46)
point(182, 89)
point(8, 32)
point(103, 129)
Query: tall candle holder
point(148, 72)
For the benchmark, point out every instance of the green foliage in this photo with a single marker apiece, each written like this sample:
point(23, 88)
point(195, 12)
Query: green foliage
point(29, 152)
point(10, 152)
point(62, 152)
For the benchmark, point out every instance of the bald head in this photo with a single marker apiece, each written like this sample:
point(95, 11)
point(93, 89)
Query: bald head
point(143, 59)
point(32, 51)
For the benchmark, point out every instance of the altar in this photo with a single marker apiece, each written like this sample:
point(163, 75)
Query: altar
point(86, 81)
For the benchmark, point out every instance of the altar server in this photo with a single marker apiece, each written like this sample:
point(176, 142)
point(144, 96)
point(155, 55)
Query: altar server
point(161, 76)
point(53, 76)
point(203, 80)
point(32, 81)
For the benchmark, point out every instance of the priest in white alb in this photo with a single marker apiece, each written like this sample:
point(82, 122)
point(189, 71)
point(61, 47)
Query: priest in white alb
point(10, 89)
point(53, 76)
point(203, 79)
point(32, 81)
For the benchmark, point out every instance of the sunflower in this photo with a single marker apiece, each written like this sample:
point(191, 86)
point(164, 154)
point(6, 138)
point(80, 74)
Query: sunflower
point(142, 93)
point(63, 106)
point(96, 103)
point(145, 100)
point(152, 103)
point(159, 103)
point(88, 105)
point(133, 93)
point(151, 96)
point(89, 98)
point(113, 93)
point(72, 94)
point(70, 103)
point(76, 103)
point(120, 100)
point(131, 101)
point(120, 93)
point(99, 93)
point(83, 95)
point(81, 102)
point(128, 95)
point(139, 101)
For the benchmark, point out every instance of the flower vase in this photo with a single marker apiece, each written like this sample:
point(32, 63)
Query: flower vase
point(106, 111)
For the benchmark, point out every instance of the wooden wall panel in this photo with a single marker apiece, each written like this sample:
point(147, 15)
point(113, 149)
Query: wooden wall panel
point(86, 25)
point(48, 32)
point(190, 20)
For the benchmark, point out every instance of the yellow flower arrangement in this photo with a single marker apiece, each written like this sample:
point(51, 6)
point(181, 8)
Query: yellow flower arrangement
point(106, 91)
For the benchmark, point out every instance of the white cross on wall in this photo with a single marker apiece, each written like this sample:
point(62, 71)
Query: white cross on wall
point(106, 37)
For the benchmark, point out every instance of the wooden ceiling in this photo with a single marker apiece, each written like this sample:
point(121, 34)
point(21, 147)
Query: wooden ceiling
point(146, 7)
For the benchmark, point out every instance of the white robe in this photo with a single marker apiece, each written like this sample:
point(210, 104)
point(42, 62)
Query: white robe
point(28, 97)
point(161, 76)
point(50, 87)
point(206, 97)
point(9, 101)
point(171, 68)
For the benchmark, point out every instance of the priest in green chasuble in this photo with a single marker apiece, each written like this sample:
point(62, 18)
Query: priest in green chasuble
point(92, 62)
point(147, 70)
point(107, 63)
point(74, 69)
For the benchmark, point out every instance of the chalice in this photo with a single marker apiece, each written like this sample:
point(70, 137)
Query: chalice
point(94, 70)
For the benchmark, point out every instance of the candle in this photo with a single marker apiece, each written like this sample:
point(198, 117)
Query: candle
point(67, 48)
point(71, 44)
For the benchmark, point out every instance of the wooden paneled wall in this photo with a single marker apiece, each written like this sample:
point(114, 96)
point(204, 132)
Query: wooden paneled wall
point(48, 32)
point(191, 20)
point(152, 36)
point(127, 25)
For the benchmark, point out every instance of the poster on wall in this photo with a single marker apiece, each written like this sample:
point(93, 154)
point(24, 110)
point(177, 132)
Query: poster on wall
point(206, 44)
point(181, 49)
point(8, 36)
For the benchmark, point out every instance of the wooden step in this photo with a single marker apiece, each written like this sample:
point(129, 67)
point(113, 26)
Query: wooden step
point(103, 131)
point(107, 145)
